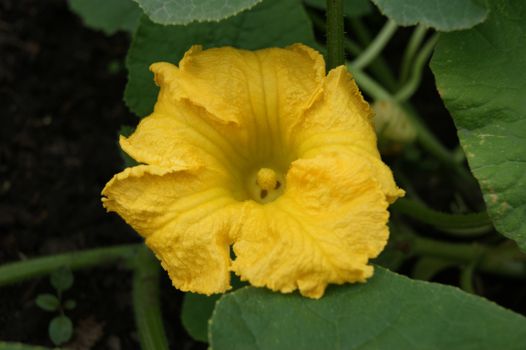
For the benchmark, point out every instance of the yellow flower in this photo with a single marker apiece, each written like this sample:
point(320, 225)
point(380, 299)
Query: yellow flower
point(262, 152)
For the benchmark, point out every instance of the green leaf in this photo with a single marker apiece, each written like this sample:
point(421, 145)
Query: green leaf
point(439, 14)
point(47, 302)
point(187, 11)
point(271, 23)
point(196, 312)
point(351, 8)
point(70, 304)
point(60, 329)
point(388, 312)
point(128, 161)
point(62, 279)
point(109, 16)
point(480, 76)
point(396, 251)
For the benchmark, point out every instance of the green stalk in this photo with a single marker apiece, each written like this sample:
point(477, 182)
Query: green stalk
point(412, 84)
point(336, 56)
point(22, 270)
point(427, 139)
point(146, 304)
point(505, 261)
point(378, 66)
point(21, 346)
point(466, 277)
point(376, 46)
point(369, 85)
point(412, 47)
point(466, 225)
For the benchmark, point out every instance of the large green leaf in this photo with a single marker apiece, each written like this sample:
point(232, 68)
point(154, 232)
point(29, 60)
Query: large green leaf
point(443, 15)
point(271, 23)
point(187, 11)
point(196, 312)
point(108, 15)
point(480, 76)
point(351, 8)
point(388, 312)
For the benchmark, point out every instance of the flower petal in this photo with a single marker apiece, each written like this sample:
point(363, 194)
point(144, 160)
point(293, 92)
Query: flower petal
point(181, 139)
point(257, 91)
point(330, 221)
point(185, 217)
point(341, 121)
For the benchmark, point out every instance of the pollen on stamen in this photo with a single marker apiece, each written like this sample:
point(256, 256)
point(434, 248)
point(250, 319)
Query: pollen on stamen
point(266, 179)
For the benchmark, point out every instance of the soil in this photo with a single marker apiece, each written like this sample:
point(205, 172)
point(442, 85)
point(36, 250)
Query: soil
point(61, 88)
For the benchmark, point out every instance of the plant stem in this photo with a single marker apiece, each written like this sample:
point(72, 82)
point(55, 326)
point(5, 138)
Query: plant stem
point(507, 261)
point(376, 46)
point(369, 85)
point(410, 87)
point(378, 66)
point(21, 346)
point(414, 43)
point(424, 136)
point(19, 271)
point(466, 277)
point(146, 304)
point(466, 225)
point(335, 35)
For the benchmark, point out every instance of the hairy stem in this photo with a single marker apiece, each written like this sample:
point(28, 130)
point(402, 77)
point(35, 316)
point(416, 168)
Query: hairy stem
point(378, 66)
point(335, 35)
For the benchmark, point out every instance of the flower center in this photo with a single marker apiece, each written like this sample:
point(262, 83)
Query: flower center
point(266, 185)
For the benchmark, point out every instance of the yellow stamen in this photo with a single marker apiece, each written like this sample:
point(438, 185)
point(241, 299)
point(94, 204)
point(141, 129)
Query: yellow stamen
point(266, 179)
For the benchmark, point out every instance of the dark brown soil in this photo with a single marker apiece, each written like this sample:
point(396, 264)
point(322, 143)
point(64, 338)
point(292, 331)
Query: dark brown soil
point(61, 108)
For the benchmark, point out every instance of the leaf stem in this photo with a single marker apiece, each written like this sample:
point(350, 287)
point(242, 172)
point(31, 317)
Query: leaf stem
point(376, 45)
point(369, 85)
point(19, 271)
point(336, 55)
point(414, 43)
point(506, 260)
point(146, 304)
point(410, 87)
point(466, 277)
point(378, 66)
point(427, 139)
point(465, 225)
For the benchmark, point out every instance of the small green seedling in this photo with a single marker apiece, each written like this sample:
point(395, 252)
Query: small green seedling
point(60, 328)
